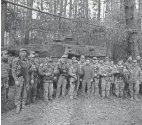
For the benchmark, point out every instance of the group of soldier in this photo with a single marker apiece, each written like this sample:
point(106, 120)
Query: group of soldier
point(86, 77)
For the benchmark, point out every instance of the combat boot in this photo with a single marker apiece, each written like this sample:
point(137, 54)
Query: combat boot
point(18, 109)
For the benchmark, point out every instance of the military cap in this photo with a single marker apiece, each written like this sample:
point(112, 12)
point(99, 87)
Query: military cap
point(31, 55)
point(32, 52)
point(88, 59)
point(134, 61)
point(138, 58)
point(94, 58)
point(23, 49)
point(74, 58)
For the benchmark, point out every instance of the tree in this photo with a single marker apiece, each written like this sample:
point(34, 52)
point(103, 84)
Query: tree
point(70, 9)
point(3, 19)
point(130, 27)
point(65, 7)
point(28, 21)
point(99, 10)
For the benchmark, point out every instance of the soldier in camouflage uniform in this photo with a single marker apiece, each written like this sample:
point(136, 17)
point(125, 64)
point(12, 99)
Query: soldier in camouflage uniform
point(113, 66)
point(47, 72)
point(63, 69)
point(73, 71)
point(35, 76)
point(20, 72)
point(106, 73)
point(139, 61)
point(5, 68)
point(135, 73)
point(119, 80)
point(95, 83)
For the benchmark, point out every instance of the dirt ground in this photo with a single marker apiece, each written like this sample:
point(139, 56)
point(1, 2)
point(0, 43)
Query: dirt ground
point(80, 111)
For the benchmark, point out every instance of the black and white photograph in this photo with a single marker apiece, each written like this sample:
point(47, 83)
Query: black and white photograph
point(71, 62)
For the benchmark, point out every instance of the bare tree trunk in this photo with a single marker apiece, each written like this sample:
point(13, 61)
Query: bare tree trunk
point(130, 25)
point(55, 6)
point(28, 22)
point(75, 13)
point(70, 9)
point(61, 7)
point(65, 7)
point(140, 13)
point(3, 20)
point(86, 8)
point(99, 10)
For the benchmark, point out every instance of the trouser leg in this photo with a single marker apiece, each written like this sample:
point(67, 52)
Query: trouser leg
point(25, 92)
point(34, 92)
point(50, 89)
point(108, 88)
point(117, 88)
point(88, 87)
point(131, 87)
point(92, 87)
point(18, 94)
point(64, 86)
point(121, 89)
point(126, 89)
point(59, 83)
point(83, 86)
point(46, 85)
point(6, 87)
point(103, 86)
point(96, 87)
point(78, 84)
point(136, 89)
point(71, 92)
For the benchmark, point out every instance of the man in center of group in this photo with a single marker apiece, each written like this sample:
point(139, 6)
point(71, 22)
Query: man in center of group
point(88, 74)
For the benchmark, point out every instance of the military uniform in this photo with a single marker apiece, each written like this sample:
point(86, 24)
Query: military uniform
point(106, 74)
point(34, 75)
point(47, 71)
point(73, 71)
point(134, 82)
point(119, 81)
point(20, 70)
point(95, 84)
point(63, 69)
point(5, 78)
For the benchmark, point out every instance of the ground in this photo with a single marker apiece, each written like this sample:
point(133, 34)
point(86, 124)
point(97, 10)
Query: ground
point(80, 111)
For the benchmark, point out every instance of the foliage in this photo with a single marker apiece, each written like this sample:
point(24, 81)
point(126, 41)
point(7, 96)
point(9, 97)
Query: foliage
point(84, 29)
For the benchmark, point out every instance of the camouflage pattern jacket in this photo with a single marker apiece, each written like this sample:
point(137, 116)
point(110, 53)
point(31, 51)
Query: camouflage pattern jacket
point(47, 71)
point(21, 68)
